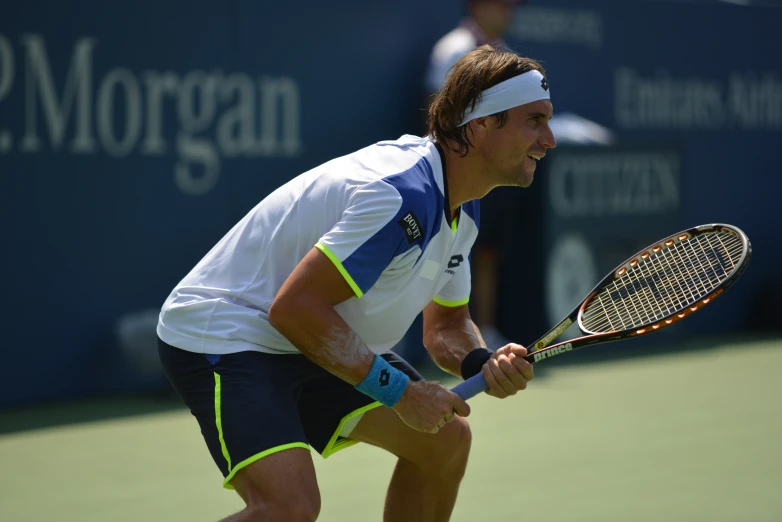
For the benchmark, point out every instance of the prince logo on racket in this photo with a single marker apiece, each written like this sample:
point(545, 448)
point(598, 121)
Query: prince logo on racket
point(554, 351)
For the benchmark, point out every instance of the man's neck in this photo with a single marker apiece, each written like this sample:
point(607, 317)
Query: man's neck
point(465, 178)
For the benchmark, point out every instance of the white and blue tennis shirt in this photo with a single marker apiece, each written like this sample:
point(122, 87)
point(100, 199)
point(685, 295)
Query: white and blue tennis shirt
point(379, 214)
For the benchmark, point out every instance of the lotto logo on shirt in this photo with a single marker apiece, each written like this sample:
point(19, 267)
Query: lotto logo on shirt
point(454, 262)
point(410, 225)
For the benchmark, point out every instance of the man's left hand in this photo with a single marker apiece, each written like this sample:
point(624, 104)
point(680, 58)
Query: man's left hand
point(506, 372)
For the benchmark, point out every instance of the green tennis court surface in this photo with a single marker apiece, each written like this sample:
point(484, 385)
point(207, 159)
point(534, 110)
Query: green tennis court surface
point(695, 436)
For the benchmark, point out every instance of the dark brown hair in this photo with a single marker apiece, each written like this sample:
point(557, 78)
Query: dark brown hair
point(475, 72)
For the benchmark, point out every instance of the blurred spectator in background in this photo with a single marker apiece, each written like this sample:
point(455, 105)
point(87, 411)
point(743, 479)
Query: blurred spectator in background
point(485, 23)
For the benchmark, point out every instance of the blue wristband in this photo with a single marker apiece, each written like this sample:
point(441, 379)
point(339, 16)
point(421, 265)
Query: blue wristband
point(384, 383)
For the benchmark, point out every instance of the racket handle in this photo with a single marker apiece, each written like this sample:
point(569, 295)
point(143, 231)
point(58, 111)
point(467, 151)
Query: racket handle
point(471, 387)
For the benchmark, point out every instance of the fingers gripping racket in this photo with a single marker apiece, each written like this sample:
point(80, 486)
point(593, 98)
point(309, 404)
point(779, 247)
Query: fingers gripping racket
point(660, 285)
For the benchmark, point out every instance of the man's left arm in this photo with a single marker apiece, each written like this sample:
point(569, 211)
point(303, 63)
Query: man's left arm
point(450, 336)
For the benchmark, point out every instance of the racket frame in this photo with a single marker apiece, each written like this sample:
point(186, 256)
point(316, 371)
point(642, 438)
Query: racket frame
point(542, 350)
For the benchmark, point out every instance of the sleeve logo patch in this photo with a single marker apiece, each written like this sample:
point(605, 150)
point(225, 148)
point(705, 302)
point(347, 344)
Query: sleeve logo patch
point(410, 225)
point(453, 263)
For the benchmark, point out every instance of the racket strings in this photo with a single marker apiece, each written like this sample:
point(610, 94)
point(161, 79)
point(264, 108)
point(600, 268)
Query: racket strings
point(664, 283)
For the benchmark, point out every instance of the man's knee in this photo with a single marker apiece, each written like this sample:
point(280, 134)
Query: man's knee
point(290, 510)
point(451, 449)
point(460, 438)
point(293, 508)
point(303, 508)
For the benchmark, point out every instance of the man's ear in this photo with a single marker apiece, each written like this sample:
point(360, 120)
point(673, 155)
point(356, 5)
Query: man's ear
point(479, 126)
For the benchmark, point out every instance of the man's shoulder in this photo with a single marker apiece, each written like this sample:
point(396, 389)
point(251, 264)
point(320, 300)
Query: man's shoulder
point(416, 169)
point(386, 159)
point(409, 146)
point(372, 163)
point(403, 174)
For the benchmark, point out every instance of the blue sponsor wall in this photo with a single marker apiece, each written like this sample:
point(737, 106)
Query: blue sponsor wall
point(705, 77)
point(133, 137)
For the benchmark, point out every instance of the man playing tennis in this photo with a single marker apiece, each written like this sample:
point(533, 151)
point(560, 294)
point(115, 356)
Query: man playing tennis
point(278, 346)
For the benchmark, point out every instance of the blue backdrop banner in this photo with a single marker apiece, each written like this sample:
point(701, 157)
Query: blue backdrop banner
point(132, 137)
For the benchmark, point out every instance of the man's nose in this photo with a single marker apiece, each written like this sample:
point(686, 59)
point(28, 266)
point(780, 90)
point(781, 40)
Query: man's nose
point(547, 139)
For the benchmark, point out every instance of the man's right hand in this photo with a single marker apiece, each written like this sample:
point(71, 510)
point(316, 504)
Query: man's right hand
point(426, 406)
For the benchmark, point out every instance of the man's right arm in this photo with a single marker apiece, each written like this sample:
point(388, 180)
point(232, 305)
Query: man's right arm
point(303, 311)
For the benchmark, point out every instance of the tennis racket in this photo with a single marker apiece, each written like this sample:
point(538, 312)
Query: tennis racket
point(660, 285)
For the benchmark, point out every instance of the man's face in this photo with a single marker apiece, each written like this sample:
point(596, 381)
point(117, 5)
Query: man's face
point(512, 151)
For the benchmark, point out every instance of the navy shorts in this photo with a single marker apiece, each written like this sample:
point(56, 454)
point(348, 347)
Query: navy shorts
point(252, 404)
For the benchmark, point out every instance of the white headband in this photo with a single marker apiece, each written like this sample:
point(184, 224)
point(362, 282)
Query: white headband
point(519, 90)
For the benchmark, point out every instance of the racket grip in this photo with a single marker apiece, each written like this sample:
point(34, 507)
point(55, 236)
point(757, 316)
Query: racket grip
point(471, 387)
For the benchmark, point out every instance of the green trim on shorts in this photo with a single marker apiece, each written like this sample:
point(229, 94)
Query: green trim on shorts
point(246, 462)
point(337, 443)
point(323, 248)
point(451, 304)
point(219, 421)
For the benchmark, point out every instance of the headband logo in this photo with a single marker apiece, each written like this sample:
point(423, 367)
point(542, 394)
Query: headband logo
point(513, 92)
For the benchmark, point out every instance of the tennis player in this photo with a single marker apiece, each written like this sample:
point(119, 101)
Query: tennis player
point(279, 339)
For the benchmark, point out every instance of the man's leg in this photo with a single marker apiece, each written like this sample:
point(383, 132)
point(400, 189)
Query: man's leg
point(278, 488)
point(245, 405)
point(430, 467)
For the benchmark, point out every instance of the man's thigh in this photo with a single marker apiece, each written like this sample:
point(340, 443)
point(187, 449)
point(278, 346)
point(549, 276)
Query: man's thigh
point(331, 408)
point(245, 403)
point(383, 428)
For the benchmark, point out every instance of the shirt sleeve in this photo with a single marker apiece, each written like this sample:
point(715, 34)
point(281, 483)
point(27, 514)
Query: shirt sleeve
point(456, 291)
point(370, 234)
